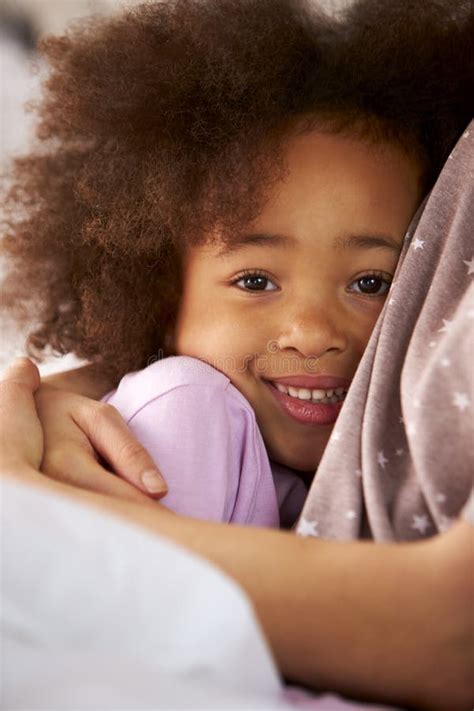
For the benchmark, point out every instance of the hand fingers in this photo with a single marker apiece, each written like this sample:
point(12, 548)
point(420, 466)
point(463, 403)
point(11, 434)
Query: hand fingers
point(88, 428)
point(76, 467)
point(109, 435)
point(22, 372)
point(21, 433)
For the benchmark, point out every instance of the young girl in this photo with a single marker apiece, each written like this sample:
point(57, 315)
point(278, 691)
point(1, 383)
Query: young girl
point(262, 162)
point(284, 313)
point(196, 197)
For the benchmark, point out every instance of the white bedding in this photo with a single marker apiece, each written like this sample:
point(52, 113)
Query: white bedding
point(97, 614)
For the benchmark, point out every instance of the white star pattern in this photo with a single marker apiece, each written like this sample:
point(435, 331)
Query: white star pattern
point(445, 362)
point(465, 134)
point(307, 528)
point(420, 523)
point(445, 523)
point(400, 452)
point(418, 243)
point(445, 328)
point(391, 301)
point(381, 459)
point(336, 436)
point(469, 265)
point(351, 515)
point(461, 401)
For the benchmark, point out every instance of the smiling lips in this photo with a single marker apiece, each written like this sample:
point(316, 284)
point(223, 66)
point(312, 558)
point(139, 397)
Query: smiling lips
point(310, 400)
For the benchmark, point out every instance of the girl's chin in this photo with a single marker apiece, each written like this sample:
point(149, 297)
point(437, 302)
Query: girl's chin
point(306, 466)
point(304, 470)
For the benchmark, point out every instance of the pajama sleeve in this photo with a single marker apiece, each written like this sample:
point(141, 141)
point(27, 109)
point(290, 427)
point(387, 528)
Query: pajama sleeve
point(204, 438)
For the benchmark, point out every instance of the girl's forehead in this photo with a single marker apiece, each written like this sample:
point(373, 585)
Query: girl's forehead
point(336, 175)
point(320, 150)
point(332, 183)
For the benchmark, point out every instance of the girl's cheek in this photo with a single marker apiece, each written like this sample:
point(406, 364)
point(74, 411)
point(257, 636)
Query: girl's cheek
point(369, 314)
point(369, 309)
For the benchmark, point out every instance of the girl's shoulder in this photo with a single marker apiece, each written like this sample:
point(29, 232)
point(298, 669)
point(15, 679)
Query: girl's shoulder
point(173, 374)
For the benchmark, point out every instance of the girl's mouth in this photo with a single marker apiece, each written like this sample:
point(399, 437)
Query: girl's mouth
point(308, 406)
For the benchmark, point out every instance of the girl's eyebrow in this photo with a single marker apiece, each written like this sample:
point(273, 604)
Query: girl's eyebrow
point(258, 238)
point(368, 241)
point(356, 241)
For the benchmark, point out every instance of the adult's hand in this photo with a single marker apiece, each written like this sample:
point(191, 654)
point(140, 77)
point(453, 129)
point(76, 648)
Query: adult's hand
point(87, 443)
point(21, 435)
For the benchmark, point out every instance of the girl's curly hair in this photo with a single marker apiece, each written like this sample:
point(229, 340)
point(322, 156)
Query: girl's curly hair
point(163, 123)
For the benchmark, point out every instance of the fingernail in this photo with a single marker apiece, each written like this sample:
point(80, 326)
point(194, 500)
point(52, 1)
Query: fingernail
point(153, 482)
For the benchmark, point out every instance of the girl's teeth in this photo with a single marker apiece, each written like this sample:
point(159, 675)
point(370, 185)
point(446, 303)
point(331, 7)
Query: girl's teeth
point(322, 396)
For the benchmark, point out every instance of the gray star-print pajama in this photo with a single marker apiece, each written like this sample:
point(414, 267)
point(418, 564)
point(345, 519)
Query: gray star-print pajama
point(400, 462)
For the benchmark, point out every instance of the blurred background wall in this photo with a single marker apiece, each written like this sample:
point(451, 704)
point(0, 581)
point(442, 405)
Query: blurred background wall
point(22, 23)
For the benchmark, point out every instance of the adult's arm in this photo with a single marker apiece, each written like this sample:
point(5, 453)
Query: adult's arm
point(384, 622)
point(387, 622)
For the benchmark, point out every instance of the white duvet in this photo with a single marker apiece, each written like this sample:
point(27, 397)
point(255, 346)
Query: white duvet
point(96, 614)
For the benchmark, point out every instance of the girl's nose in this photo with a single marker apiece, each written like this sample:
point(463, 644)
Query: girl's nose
point(314, 331)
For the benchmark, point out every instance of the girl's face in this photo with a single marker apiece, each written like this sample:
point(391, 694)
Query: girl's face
point(287, 310)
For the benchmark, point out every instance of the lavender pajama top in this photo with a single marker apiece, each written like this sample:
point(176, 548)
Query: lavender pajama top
point(202, 433)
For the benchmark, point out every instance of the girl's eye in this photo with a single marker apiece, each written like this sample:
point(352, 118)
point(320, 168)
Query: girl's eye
point(371, 285)
point(254, 281)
